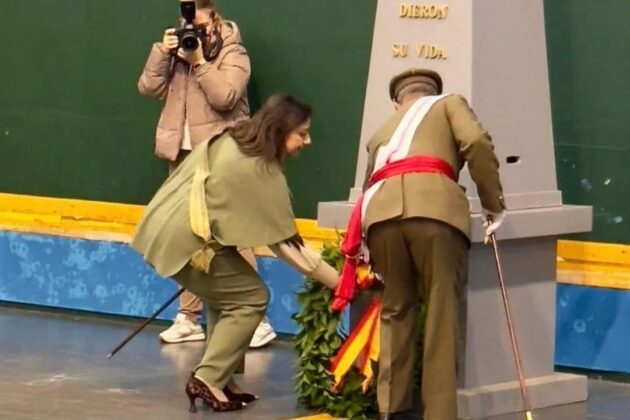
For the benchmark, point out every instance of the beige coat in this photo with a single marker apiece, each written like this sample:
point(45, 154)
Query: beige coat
point(212, 96)
point(449, 131)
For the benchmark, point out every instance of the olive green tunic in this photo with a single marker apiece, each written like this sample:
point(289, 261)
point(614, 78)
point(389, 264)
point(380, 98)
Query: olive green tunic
point(247, 202)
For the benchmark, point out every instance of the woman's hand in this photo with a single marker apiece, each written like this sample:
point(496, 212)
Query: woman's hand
point(193, 58)
point(170, 40)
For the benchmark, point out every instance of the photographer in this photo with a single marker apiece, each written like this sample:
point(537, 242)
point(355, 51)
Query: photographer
point(204, 92)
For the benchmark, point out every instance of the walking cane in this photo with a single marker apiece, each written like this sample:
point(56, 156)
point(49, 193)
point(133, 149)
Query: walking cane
point(147, 322)
point(506, 305)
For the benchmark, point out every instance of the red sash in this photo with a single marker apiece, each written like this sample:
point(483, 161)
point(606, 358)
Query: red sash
point(352, 241)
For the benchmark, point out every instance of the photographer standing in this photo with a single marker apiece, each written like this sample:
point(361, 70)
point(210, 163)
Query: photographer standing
point(204, 92)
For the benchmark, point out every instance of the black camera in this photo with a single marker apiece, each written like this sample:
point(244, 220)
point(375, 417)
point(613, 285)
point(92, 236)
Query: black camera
point(189, 34)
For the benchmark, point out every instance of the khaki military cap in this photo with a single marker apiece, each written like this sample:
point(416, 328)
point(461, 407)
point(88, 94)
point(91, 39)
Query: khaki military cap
point(410, 76)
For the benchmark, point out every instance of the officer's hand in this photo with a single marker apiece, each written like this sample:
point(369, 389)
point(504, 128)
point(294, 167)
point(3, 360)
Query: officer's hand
point(170, 40)
point(492, 222)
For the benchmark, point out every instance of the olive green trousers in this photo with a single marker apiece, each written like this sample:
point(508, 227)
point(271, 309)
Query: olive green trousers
point(237, 298)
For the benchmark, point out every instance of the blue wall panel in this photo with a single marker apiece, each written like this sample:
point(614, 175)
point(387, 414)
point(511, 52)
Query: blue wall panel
point(593, 328)
point(111, 278)
point(592, 324)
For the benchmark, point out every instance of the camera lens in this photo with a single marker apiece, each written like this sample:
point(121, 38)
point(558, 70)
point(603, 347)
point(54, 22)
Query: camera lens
point(189, 42)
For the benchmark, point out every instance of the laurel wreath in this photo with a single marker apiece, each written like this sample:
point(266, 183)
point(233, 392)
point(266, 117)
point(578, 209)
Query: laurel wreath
point(317, 342)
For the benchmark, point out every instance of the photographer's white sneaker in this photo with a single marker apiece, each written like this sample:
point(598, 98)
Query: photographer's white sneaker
point(263, 335)
point(183, 330)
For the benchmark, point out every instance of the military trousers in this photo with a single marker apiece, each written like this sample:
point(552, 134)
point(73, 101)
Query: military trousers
point(420, 260)
point(237, 298)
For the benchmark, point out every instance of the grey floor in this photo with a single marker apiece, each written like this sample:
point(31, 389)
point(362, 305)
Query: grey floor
point(52, 366)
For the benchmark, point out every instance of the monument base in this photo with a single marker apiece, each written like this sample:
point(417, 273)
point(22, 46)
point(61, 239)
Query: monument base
point(527, 245)
point(546, 391)
point(519, 224)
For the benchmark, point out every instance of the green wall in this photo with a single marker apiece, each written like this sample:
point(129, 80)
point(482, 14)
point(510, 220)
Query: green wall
point(318, 50)
point(589, 71)
point(71, 121)
point(73, 125)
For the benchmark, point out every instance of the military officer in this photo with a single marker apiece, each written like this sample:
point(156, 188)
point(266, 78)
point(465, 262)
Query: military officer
point(417, 221)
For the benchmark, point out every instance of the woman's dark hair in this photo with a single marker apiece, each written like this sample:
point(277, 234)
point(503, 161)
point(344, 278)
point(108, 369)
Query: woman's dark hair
point(264, 134)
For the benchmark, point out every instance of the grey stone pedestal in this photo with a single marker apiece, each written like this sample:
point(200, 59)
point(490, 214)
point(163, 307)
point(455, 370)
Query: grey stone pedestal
point(488, 383)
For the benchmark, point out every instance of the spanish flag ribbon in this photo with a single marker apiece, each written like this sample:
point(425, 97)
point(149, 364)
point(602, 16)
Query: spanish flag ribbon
point(363, 345)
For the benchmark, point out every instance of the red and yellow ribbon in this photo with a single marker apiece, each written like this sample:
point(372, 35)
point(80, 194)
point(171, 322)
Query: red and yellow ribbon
point(363, 344)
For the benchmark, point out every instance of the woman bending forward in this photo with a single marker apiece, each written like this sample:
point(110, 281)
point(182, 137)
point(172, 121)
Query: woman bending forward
point(230, 193)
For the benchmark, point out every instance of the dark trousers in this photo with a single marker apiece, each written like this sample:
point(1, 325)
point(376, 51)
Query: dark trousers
point(420, 259)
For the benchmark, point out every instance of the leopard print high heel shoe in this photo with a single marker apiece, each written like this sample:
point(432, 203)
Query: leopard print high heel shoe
point(197, 389)
point(243, 397)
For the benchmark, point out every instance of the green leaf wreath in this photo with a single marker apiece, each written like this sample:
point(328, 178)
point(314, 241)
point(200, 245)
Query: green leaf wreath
point(317, 342)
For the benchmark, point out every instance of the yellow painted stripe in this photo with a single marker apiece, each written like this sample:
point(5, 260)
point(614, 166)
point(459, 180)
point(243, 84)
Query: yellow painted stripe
point(594, 252)
point(59, 214)
point(71, 209)
point(581, 263)
point(102, 220)
point(594, 275)
point(314, 235)
point(594, 264)
point(68, 217)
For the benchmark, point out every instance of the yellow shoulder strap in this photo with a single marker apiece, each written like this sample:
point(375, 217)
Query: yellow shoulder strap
point(199, 220)
point(198, 210)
